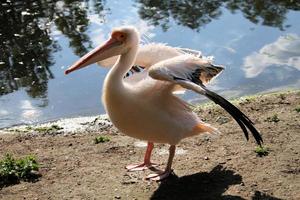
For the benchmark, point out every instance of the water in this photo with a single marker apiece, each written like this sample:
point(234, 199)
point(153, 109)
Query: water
point(259, 43)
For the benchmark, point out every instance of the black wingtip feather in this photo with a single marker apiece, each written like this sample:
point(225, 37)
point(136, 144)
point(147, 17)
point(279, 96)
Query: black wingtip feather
point(240, 117)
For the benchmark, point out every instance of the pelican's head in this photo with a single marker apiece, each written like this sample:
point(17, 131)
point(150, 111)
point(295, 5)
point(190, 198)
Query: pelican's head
point(121, 40)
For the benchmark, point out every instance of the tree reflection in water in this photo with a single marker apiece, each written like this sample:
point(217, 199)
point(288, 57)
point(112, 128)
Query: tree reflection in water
point(26, 44)
point(195, 14)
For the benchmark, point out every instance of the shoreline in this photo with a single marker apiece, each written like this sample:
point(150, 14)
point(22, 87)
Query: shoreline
point(102, 123)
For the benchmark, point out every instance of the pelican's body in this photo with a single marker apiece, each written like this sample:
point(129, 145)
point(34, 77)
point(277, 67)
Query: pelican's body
point(160, 116)
point(143, 105)
point(145, 108)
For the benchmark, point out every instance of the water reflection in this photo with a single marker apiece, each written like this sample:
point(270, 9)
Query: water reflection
point(25, 48)
point(38, 38)
point(71, 19)
point(285, 51)
point(268, 13)
point(26, 43)
point(195, 14)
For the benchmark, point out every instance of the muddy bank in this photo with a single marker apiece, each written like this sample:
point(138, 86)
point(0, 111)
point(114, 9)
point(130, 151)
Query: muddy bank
point(222, 167)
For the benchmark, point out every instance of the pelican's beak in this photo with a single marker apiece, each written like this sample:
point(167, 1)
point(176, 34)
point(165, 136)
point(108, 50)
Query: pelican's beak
point(108, 49)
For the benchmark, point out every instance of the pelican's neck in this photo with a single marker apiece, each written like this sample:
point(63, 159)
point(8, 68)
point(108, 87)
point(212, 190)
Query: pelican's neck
point(122, 66)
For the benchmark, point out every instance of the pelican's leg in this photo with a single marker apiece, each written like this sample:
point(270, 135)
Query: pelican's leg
point(162, 175)
point(147, 164)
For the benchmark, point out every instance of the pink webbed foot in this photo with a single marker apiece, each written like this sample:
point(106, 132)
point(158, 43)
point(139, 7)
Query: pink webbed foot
point(147, 164)
point(140, 167)
point(159, 176)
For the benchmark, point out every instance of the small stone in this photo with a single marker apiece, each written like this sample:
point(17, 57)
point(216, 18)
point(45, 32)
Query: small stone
point(206, 158)
point(117, 197)
point(222, 120)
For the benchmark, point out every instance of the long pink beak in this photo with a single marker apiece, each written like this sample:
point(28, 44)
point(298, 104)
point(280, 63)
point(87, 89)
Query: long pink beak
point(93, 56)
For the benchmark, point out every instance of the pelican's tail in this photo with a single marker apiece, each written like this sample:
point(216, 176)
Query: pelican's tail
point(202, 127)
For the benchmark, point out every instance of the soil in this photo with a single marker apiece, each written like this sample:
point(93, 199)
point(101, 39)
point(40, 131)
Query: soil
point(72, 166)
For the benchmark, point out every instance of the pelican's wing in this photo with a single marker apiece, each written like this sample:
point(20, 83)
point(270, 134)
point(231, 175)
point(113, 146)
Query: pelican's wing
point(193, 52)
point(186, 71)
point(152, 53)
point(197, 69)
point(148, 55)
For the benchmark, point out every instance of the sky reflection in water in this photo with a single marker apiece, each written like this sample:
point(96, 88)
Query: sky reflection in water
point(259, 43)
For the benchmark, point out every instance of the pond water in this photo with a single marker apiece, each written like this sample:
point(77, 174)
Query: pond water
point(258, 42)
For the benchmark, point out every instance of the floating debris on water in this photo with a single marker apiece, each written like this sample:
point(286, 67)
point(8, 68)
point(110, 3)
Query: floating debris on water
point(25, 13)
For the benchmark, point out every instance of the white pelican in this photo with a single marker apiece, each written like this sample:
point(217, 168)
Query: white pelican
point(143, 105)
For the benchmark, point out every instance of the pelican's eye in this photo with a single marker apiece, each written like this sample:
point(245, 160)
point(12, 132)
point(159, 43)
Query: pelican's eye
point(120, 36)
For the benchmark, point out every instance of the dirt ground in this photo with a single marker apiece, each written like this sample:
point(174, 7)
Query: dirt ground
point(205, 167)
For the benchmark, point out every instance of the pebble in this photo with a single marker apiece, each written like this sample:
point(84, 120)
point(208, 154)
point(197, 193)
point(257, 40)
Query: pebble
point(222, 120)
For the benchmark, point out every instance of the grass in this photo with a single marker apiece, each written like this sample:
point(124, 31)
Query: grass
point(40, 129)
point(282, 96)
point(44, 129)
point(261, 151)
point(15, 130)
point(14, 170)
point(297, 109)
point(273, 118)
point(101, 139)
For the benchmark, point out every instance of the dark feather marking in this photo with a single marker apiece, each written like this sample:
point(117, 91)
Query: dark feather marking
point(134, 69)
point(175, 78)
point(195, 76)
point(238, 115)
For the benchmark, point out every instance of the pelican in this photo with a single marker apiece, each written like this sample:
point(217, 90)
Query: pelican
point(143, 105)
